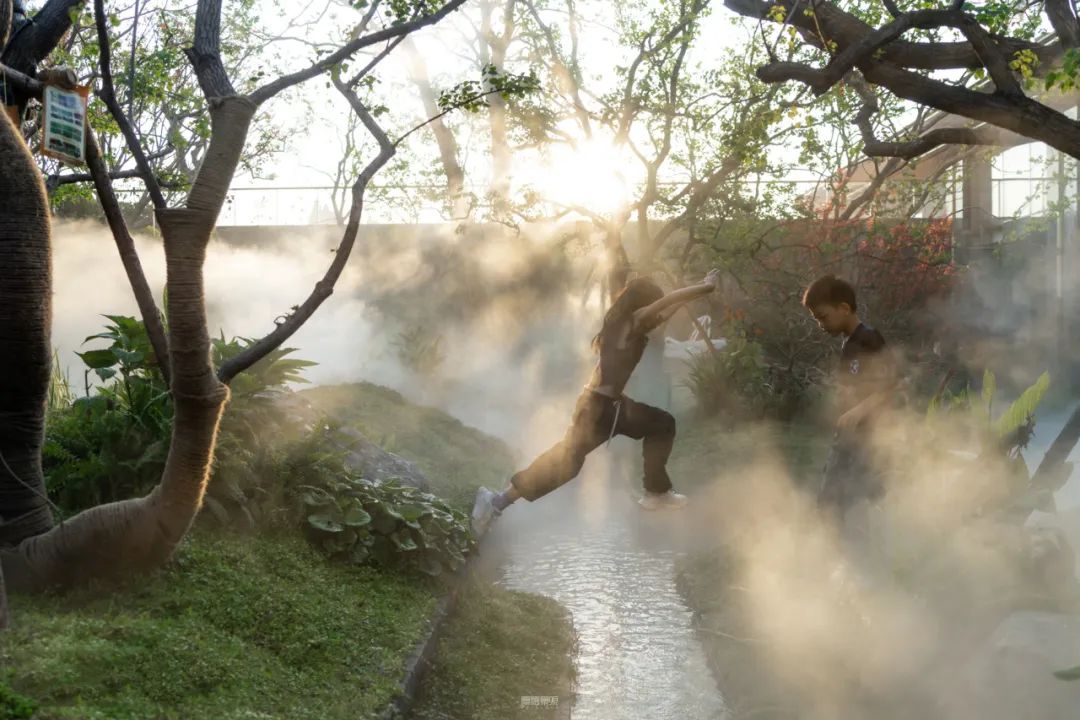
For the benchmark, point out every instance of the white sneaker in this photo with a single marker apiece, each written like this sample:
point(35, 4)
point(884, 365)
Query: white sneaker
point(656, 501)
point(483, 511)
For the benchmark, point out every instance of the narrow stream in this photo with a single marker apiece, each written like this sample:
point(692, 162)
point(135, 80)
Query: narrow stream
point(612, 564)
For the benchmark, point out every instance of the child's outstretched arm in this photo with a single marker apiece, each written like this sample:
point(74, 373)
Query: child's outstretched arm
point(649, 315)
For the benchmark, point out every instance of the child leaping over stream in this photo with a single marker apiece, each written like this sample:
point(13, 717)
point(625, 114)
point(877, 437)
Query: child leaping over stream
point(602, 410)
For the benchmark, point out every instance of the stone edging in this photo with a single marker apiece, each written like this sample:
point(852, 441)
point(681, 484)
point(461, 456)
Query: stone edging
point(423, 654)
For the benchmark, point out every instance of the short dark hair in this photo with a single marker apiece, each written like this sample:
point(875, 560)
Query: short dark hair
point(829, 290)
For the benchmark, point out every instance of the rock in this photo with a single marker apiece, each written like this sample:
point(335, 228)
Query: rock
point(1051, 559)
point(1012, 675)
point(363, 456)
point(374, 463)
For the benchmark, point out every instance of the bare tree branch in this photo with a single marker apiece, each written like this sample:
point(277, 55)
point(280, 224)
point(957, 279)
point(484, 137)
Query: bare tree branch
point(57, 179)
point(444, 136)
point(700, 194)
point(108, 94)
point(272, 88)
point(847, 30)
point(911, 149)
point(561, 68)
point(989, 53)
point(129, 256)
point(23, 83)
point(325, 287)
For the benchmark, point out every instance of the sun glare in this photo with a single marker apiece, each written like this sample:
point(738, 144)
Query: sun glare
point(592, 176)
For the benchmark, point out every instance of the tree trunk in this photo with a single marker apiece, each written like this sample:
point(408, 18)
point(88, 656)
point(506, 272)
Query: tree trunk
point(1050, 474)
point(493, 52)
point(448, 148)
point(131, 535)
point(25, 352)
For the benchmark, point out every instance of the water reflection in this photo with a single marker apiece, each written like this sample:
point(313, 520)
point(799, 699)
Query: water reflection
point(612, 564)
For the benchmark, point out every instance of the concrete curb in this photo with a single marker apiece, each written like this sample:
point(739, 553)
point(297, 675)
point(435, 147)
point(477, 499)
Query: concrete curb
point(422, 656)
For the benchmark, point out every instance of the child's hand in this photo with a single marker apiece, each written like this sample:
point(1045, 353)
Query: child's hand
point(713, 278)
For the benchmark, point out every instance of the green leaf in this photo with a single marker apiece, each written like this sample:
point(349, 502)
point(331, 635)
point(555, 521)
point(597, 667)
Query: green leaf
point(129, 357)
point(1024, 407)
point(325, 523)
point(405, 543)
point(1072, 673)
point(355, 516)
point(989, 387)
point(95, 359)
point(105, 373)
point(412, 512)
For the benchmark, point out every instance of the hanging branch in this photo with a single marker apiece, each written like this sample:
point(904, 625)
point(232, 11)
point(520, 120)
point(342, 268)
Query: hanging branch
point(108, 94)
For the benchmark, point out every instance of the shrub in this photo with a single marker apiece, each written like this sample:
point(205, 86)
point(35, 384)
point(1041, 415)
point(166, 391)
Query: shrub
point(386, 524)
point(730, 380)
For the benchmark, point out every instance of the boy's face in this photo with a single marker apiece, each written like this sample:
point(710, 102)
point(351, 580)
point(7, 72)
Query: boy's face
point(831, 318)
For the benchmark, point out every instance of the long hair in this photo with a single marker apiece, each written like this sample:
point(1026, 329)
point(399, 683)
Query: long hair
point(638, 293)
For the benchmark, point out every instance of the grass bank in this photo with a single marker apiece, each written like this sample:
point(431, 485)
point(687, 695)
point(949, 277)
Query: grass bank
point(505, 655)
point(456, 458)
point(237, 627)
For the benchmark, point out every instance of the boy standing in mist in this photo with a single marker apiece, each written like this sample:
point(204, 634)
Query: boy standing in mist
point(865, 380)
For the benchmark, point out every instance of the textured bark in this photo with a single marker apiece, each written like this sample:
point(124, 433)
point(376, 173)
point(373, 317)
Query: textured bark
point(132, 535)
point(35, 41)
point(5, 23)
point(25, 351)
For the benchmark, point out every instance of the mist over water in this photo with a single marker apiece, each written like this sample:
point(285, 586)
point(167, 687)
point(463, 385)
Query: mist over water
point(906, 616)
point(513, 325)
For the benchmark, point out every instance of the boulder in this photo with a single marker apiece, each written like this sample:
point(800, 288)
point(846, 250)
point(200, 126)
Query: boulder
point(374, 463)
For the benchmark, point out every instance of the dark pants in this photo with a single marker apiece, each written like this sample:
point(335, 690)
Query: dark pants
point(850, 474)
point(593, 420)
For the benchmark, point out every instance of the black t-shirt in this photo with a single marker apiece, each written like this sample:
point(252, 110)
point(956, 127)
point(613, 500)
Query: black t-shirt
point(616, 364)
point(861, 367)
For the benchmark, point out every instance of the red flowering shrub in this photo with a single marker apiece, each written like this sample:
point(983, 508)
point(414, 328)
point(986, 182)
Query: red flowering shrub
point(900, 272)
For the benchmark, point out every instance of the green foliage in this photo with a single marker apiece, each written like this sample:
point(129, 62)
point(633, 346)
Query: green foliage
point(989, 387)
point(14, 706)
point(1013, 427)
point(157, 87)
point(1022, 411)
point(60, 393)
point(386, 524)
point(273, 371)
point(1065, 77)
point(240, 626)
point(1072, 673)
point(471, 95)
point(731, 380)
point(999, 443)
point(111, 444)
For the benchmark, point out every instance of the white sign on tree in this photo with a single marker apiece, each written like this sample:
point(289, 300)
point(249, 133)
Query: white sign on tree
point(65, 124)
